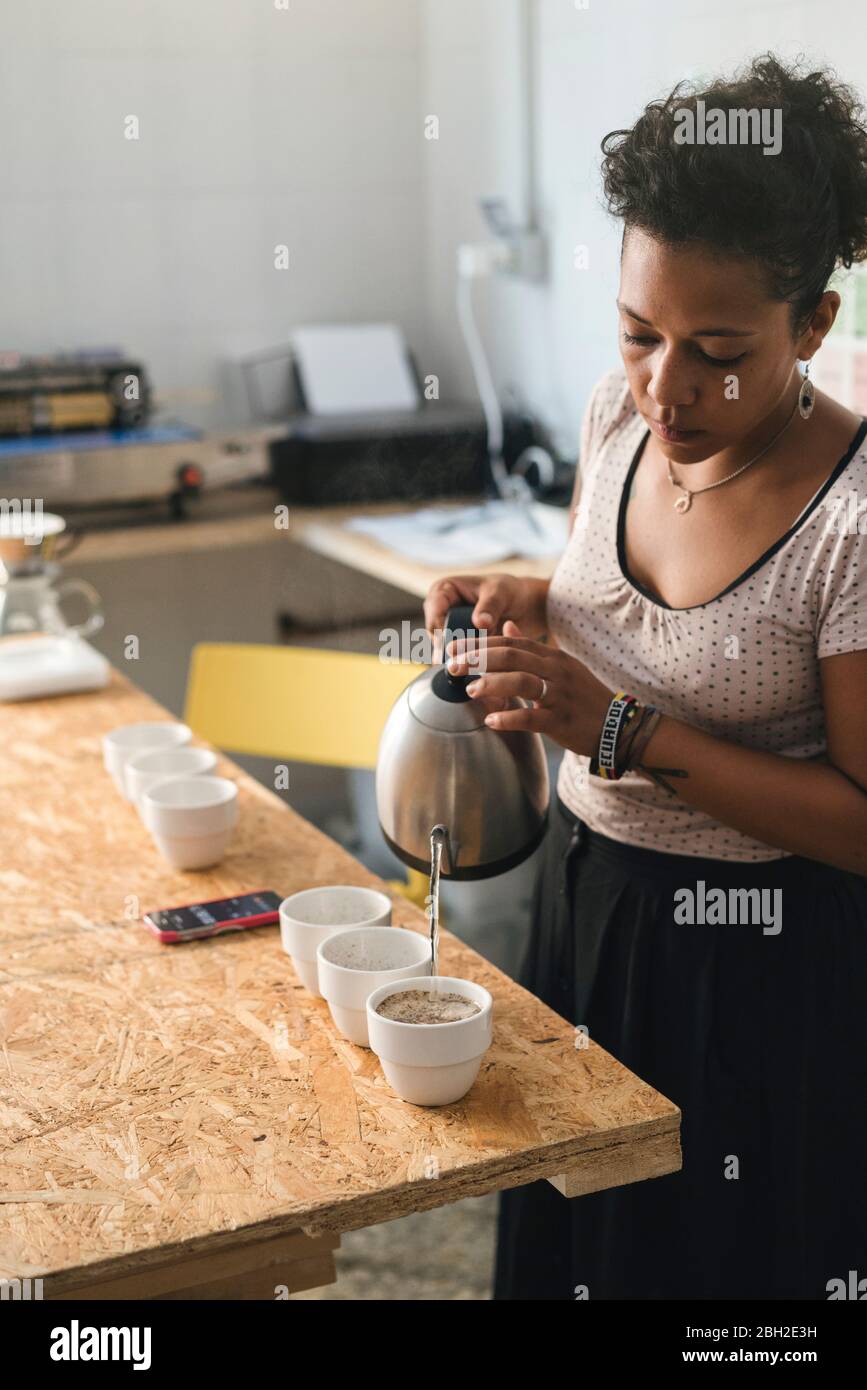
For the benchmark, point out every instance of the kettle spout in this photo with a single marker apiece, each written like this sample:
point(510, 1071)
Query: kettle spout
point(439, 845)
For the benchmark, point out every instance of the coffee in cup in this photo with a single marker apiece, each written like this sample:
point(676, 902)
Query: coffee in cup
point(422, 1006)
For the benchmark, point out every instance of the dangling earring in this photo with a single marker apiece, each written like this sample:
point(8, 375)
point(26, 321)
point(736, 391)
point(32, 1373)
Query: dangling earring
point(806, 395)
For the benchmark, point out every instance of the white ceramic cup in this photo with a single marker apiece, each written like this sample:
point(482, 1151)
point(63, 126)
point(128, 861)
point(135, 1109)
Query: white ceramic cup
point(431, 1063)
point(27, 536)
point(192, 819)
point(353, 963)
point(146, 769)
point(131, 739)
point(308, 918)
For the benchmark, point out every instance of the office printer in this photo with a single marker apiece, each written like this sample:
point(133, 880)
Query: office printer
point(359, 427)
point(435, 451)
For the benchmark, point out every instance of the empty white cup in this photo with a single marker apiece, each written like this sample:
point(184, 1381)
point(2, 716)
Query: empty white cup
point(192, 819)
point(431, 1063)
point(146, 769)
point(131, 739)
point(351, 964)
point(308, 918)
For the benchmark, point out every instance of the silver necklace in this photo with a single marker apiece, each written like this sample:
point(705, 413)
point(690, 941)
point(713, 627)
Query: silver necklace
point(684, 502)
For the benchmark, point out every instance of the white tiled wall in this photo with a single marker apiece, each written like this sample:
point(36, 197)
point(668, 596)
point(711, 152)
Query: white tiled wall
point(261, 125)
point(258, 126)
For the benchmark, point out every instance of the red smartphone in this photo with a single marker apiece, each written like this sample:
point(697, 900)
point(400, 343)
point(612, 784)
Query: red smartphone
point(195, 920)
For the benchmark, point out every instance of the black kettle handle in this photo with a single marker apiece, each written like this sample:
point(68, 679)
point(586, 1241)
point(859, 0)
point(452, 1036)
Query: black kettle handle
point(458, 624)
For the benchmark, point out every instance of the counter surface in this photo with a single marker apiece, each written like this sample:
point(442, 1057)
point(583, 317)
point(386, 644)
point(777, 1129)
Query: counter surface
point(177, 1115)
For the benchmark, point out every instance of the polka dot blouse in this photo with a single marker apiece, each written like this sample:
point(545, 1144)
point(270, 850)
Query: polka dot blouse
point(744, 666)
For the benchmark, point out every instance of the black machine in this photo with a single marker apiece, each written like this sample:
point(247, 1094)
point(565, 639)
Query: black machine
point(438, 449)
point(81, 391)
point(435, 451)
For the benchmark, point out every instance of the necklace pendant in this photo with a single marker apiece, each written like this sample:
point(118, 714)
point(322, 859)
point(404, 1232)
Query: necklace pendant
point(683, 503)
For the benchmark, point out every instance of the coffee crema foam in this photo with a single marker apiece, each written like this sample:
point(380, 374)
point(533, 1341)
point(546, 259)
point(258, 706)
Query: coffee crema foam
point(420, 1006)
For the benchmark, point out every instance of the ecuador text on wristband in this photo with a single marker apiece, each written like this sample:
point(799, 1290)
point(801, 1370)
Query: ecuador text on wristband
point(611, 728)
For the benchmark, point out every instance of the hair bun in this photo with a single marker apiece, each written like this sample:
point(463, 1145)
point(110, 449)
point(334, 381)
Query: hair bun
point(801, 211)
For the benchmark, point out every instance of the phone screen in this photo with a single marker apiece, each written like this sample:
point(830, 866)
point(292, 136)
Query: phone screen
point(206, 919)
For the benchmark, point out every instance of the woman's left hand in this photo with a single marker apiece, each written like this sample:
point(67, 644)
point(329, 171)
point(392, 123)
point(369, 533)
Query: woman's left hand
point(569, 707)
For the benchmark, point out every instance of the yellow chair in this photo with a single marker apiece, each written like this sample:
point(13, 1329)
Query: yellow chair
point(301, 704)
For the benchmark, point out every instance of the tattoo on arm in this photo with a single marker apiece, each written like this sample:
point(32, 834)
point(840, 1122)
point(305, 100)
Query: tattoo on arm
point(655, 774)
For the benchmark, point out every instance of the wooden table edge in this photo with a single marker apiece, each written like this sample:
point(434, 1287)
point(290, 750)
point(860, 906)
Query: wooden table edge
point(277, 1244)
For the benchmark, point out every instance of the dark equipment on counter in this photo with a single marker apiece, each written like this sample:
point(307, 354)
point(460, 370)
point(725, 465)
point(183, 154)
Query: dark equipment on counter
point(54, 394)
point(435, 451)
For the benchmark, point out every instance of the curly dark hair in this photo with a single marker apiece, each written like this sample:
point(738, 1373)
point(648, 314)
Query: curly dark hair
point(799, 213)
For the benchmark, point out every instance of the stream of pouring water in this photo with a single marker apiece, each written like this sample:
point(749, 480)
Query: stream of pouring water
point(438, 838)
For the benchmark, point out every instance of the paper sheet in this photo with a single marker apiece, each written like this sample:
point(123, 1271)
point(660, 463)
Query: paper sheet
point(356, 367)
point(479, 535)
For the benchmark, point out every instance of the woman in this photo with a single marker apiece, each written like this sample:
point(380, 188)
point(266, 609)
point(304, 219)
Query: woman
point(713, 573)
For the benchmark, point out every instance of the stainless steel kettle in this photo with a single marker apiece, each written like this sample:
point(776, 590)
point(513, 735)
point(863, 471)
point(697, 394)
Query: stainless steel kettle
point(440, 765)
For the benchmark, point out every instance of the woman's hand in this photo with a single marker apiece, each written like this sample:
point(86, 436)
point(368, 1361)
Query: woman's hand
point(570, 707)
point(496, 598)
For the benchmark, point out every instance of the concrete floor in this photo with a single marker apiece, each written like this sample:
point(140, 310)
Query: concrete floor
point(441, 1255)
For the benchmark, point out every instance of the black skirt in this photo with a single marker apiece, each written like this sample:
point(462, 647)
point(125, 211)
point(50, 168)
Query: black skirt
point(758, 1035)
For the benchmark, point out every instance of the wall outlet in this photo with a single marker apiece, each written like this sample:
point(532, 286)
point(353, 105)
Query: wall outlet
point(529, 256)
point(528, 247)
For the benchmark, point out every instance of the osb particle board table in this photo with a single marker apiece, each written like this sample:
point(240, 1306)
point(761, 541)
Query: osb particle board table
point(186, 1121)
